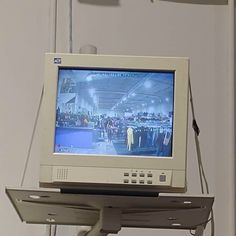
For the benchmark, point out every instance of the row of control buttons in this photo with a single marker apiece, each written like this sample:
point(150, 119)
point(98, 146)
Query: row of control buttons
point(134, 181)
point(149, 175)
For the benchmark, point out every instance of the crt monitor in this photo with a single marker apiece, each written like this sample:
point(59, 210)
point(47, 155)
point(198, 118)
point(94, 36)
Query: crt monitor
point(114, 123)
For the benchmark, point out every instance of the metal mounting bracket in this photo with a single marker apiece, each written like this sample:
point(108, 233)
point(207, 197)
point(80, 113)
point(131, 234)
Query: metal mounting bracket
point(106, 214)
point(109, 222)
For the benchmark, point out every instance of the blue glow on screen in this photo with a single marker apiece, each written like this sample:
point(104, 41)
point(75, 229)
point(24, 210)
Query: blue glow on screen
point(113, 112)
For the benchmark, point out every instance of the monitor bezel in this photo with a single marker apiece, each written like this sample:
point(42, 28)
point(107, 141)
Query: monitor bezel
point(177, 65)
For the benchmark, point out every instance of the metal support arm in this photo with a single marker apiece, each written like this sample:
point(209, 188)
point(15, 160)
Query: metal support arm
point(109, 222)
point(199, 230)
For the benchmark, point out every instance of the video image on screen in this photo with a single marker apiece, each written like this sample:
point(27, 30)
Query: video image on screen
point(114, 112)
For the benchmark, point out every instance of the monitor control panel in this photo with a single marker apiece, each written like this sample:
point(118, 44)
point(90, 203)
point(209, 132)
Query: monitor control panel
point(147, 177)
point(112, 176)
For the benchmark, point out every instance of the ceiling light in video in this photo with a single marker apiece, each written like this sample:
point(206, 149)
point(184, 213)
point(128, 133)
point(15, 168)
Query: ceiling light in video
point(147, 84)
point(89, 78)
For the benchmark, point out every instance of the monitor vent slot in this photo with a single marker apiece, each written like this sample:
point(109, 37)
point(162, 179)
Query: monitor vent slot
point(62, 174)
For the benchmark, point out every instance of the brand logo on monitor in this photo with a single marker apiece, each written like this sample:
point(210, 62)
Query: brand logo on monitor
point(57, 60)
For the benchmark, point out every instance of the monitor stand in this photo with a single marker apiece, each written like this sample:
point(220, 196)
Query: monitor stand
point(109, 222)
point(109, 213)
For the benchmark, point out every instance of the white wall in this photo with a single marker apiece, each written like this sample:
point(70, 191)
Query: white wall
point(136, 27)
point(23, 41)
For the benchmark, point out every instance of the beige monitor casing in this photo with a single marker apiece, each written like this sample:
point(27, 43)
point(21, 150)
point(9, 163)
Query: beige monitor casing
point(91, 172)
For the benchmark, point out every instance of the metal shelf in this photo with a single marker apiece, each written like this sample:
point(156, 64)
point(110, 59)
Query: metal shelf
point(50, 206)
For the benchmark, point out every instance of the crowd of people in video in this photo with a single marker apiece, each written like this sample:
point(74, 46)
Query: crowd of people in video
point(138, 131)
point(71, 120)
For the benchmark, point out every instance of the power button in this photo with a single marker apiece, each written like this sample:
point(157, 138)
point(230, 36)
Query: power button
point(162, 178)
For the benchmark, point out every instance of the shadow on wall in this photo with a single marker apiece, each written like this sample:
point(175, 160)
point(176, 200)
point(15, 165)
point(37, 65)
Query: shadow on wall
point(203, 2)
point(101, 2)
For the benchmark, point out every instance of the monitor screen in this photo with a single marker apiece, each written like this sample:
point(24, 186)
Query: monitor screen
point(114, 112)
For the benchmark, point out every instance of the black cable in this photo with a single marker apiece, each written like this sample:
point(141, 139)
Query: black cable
point(55, 230)
point(32, 139)
point(204, 223)
point(196, 132)
point(202, 174)
point(191, 232)
point(50, 230)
